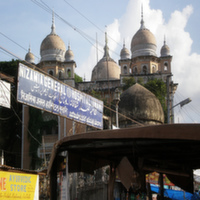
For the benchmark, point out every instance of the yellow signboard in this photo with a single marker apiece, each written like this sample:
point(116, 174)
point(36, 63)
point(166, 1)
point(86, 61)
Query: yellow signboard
point(19, 186)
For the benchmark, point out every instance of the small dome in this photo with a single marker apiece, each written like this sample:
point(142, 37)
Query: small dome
point(30, 57)
point(69, 55)
point(106, 68)
point(165, 50)
point(140, 104)
point(143, 42)
point(124, 54)
point(52, 47)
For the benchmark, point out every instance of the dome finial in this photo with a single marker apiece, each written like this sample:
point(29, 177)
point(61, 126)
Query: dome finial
point(142, 20)
point(53, 24)
point(124, 43)
point(106, 49)
point(164, 39)
point(106, 39)
point(29, 49)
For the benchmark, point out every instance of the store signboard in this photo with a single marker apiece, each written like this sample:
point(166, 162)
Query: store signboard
point(19, 186)
point(42, 91)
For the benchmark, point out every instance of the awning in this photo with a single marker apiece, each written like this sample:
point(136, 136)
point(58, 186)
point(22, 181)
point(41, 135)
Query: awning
point(173, 149)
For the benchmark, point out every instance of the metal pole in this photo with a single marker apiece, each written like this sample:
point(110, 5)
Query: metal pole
point(22, 147)
point(117, 119)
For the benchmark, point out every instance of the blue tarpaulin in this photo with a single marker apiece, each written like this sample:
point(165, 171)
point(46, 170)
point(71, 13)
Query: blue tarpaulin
point(176, 194)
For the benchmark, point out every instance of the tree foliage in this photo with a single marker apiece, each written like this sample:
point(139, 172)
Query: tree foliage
point(158, 87)
point(78, 79)
point(128, 82)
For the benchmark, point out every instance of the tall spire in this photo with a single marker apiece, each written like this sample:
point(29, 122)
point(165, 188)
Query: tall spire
point(106, 49)
point(142, 20)
point(53, 25)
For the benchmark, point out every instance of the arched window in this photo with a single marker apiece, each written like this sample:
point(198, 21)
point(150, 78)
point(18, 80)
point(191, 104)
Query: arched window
point(51, 72)
point(69, 73)
point(153, 69)
point(136, 70)
point(125, 69)
point(165, 66)
point(144, 69)
point(60, 74)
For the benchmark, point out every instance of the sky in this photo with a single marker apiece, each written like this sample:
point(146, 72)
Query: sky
point(82, 24)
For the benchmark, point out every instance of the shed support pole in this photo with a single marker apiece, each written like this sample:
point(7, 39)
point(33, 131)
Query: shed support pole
point(161, 186)
point(53, 181)
point(111, 183)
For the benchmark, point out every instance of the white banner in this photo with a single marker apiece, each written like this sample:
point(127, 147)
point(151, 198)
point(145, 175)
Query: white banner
point(4, 94)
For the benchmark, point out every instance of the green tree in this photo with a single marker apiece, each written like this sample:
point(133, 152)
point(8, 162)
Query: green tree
point(128, 82)
point(158, 87)
point(78, 79)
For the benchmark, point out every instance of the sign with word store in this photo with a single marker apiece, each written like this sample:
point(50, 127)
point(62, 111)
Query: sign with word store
point(19, 186)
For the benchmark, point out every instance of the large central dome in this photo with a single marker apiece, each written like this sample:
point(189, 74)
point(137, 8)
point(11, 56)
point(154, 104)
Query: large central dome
point(143, 42)
point(52, 47)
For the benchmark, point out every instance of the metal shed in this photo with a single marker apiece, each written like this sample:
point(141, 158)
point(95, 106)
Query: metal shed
point(173, 149)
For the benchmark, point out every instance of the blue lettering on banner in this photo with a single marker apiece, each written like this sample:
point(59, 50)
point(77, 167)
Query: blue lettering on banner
point(39, 90)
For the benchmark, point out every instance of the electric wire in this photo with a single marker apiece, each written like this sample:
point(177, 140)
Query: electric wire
point(16, 43)
point(45, 7)
point(91, 22)
point(9, 52)
point(5, 53)
point(191, 111)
